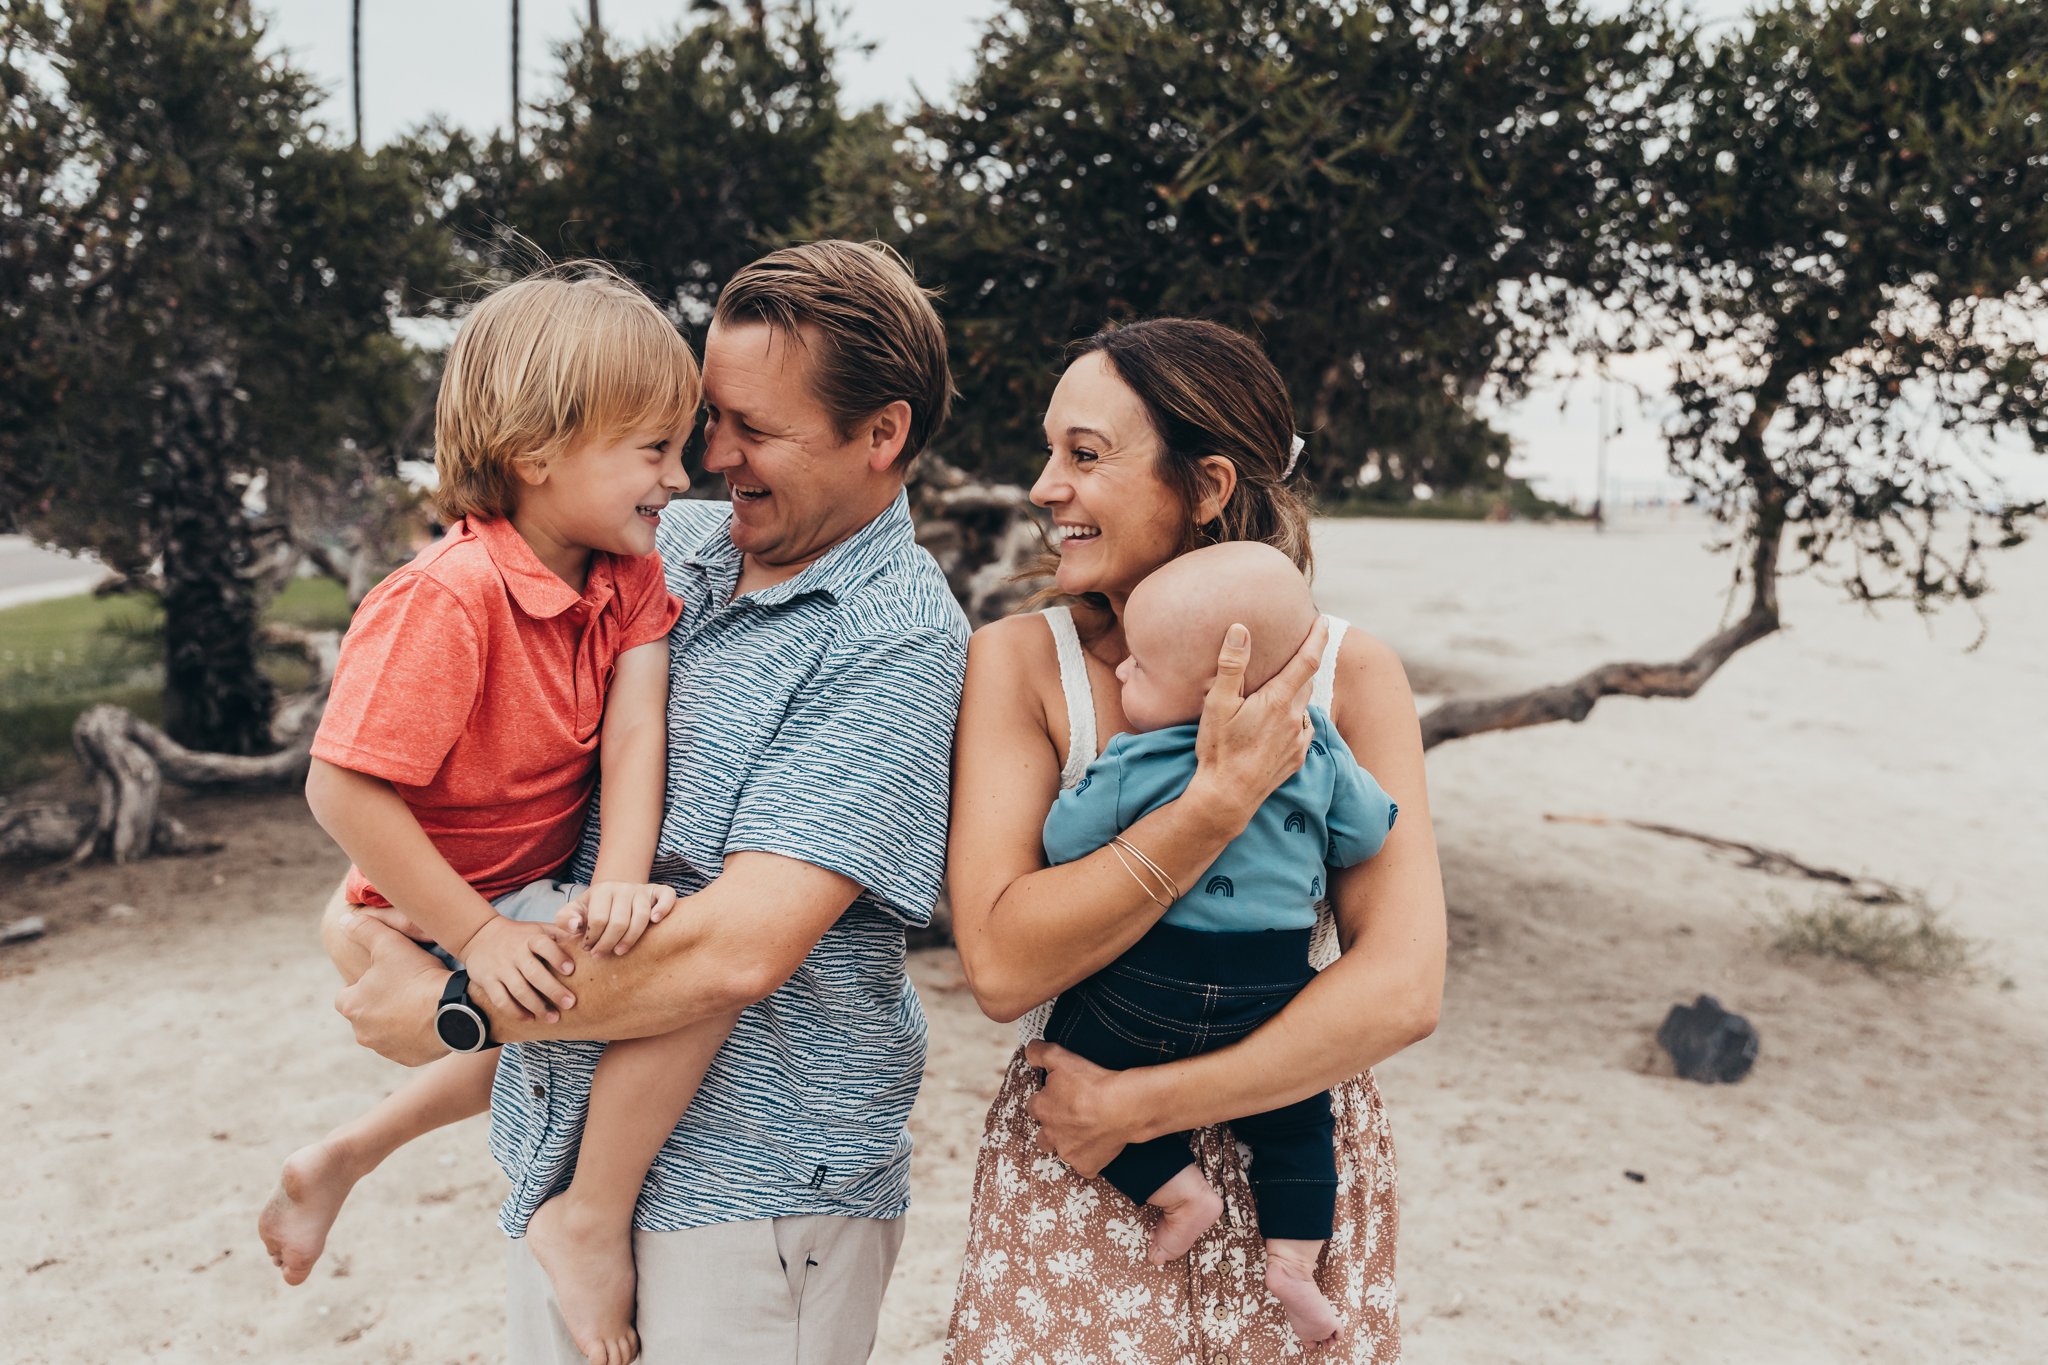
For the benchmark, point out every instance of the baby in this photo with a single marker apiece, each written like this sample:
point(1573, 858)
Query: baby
point(1230, 952)
point(481, 691)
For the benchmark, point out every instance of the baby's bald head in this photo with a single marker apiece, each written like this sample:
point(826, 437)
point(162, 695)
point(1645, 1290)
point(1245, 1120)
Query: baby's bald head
point(1175, 620)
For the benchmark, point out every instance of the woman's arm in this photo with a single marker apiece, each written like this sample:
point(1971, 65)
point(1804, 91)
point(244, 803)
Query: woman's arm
point(1380, 996)
point(1026, 931)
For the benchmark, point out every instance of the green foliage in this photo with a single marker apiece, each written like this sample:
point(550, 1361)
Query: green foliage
point(1394, 197)
point(1846, 238)
point(200, 292)
point(680, 162)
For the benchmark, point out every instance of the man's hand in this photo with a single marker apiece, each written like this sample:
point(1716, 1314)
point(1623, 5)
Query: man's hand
point(516, 969)
point(1079, 1119)
point(391, 1005)
point(610, 917)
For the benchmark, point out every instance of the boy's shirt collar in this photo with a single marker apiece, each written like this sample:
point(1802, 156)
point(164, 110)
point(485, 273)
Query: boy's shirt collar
point(536, 589)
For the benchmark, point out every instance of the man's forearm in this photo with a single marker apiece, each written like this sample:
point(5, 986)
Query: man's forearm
point(673, 978)
point(732, 944)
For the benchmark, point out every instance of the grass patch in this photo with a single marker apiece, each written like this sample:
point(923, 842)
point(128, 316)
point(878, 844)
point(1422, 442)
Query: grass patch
point(61, 656)
point(1891, 938)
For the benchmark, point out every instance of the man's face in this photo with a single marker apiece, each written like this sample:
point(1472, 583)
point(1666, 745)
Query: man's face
point(798, 486)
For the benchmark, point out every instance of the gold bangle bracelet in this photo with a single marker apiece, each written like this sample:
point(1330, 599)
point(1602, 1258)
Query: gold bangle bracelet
point(1172, 887)
point(1143, 885)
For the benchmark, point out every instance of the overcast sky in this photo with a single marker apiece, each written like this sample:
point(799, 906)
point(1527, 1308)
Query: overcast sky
point(423, 58)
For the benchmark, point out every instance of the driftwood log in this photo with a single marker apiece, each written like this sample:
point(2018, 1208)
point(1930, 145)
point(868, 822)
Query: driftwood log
point(130, 760)
point(1574, 700)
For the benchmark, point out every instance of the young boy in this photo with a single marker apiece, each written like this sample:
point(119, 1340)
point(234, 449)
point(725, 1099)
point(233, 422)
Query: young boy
point(480, 691)
point(1230, 952)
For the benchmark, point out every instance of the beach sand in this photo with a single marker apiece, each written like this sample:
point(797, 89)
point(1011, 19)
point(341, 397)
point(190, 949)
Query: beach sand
point(1876, 1190)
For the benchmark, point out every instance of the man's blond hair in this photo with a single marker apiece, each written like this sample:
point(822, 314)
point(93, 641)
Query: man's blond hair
point(571, 353)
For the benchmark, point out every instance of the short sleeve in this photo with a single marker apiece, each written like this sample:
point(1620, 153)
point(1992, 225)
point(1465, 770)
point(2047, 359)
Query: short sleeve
point(648, 610)
point(857, 779)
point(1086, 815)
point(409, 676)
point(1361, 812)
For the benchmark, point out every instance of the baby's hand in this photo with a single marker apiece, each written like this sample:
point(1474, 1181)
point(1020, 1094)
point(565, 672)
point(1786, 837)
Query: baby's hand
point(611, 916)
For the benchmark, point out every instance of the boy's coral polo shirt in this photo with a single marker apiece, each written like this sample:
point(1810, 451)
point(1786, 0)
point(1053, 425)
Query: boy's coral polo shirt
point(473, 680)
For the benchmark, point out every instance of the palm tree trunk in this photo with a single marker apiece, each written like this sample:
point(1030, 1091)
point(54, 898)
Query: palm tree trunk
point(515, 79)
point(355, 66)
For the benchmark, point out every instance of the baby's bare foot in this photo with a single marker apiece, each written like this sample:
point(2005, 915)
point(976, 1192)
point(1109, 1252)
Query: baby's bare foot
point(1187, 1209)
point(1291, 1276)
point(309, 1194)
point(589, 1260)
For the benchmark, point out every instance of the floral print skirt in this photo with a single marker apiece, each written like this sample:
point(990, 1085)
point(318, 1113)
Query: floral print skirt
point(1056, 1275)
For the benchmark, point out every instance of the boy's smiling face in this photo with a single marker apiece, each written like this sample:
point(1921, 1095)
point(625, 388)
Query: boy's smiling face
point(604, 494)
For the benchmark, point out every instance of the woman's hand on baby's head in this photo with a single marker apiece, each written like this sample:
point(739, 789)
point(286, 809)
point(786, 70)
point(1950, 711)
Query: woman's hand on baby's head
point(1248, 745)
point(612, 916)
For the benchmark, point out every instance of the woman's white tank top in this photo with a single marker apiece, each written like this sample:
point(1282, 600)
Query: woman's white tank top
point(1081, 751)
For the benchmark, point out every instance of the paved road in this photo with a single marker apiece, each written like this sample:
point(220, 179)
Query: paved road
point(29, 573)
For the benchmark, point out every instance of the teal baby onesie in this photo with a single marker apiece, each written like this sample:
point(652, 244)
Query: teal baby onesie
point(1330, 813)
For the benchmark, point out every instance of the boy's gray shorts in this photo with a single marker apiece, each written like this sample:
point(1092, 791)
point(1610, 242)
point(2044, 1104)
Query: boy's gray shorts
point(533, 903)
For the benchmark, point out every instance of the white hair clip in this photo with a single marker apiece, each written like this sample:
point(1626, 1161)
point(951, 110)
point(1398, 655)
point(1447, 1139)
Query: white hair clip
point(1293, 457)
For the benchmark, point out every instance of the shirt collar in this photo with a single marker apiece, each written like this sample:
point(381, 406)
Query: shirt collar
point(535, 588)
point(834, 574)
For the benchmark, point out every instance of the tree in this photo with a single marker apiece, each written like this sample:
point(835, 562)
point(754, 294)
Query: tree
point(1395, 197)
point(1845, 248)
point(680, 162)
point(200, 294)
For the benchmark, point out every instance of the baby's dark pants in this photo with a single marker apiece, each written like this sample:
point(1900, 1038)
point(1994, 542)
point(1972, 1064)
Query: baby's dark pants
point(1178, 992)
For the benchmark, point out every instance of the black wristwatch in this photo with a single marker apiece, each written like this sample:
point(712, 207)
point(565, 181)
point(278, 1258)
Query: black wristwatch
point(459, 1024)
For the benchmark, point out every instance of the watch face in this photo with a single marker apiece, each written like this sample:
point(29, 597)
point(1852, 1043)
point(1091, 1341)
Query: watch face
point(459, 1028)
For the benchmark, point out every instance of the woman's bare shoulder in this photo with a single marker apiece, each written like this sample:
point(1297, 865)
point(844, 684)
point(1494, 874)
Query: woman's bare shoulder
point(1371, 681)
point(1013, 658)
point(1020, 645)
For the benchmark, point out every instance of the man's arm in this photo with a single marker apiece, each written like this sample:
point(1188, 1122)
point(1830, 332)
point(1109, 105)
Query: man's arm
point(732, 944)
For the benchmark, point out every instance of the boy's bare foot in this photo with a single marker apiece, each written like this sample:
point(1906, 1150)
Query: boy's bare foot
point(309, 1194)
point(1291, 1276)
point(1187, 1209)
point(589, 1260)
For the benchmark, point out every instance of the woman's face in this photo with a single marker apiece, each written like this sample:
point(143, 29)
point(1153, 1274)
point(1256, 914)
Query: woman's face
point(1114, 520)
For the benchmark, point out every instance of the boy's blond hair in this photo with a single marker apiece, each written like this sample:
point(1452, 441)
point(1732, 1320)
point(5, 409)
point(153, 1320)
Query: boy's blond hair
point(571, 353)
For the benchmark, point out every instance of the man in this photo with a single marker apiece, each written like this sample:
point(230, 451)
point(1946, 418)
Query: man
point(814, 683)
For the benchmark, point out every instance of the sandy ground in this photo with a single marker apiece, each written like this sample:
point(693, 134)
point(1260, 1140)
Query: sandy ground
point(1876, 1190)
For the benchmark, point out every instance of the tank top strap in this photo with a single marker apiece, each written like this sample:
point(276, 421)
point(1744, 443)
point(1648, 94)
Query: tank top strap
point(1324, 688)
point(1079, 693)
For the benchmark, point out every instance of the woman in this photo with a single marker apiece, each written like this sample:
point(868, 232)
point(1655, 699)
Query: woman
point(1163, 436)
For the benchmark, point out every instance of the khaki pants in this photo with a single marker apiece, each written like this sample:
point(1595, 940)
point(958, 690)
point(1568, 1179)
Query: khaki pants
point(780, 1291)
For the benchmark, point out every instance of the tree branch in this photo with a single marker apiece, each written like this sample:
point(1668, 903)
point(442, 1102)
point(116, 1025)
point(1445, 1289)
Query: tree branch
point(1574, 701)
